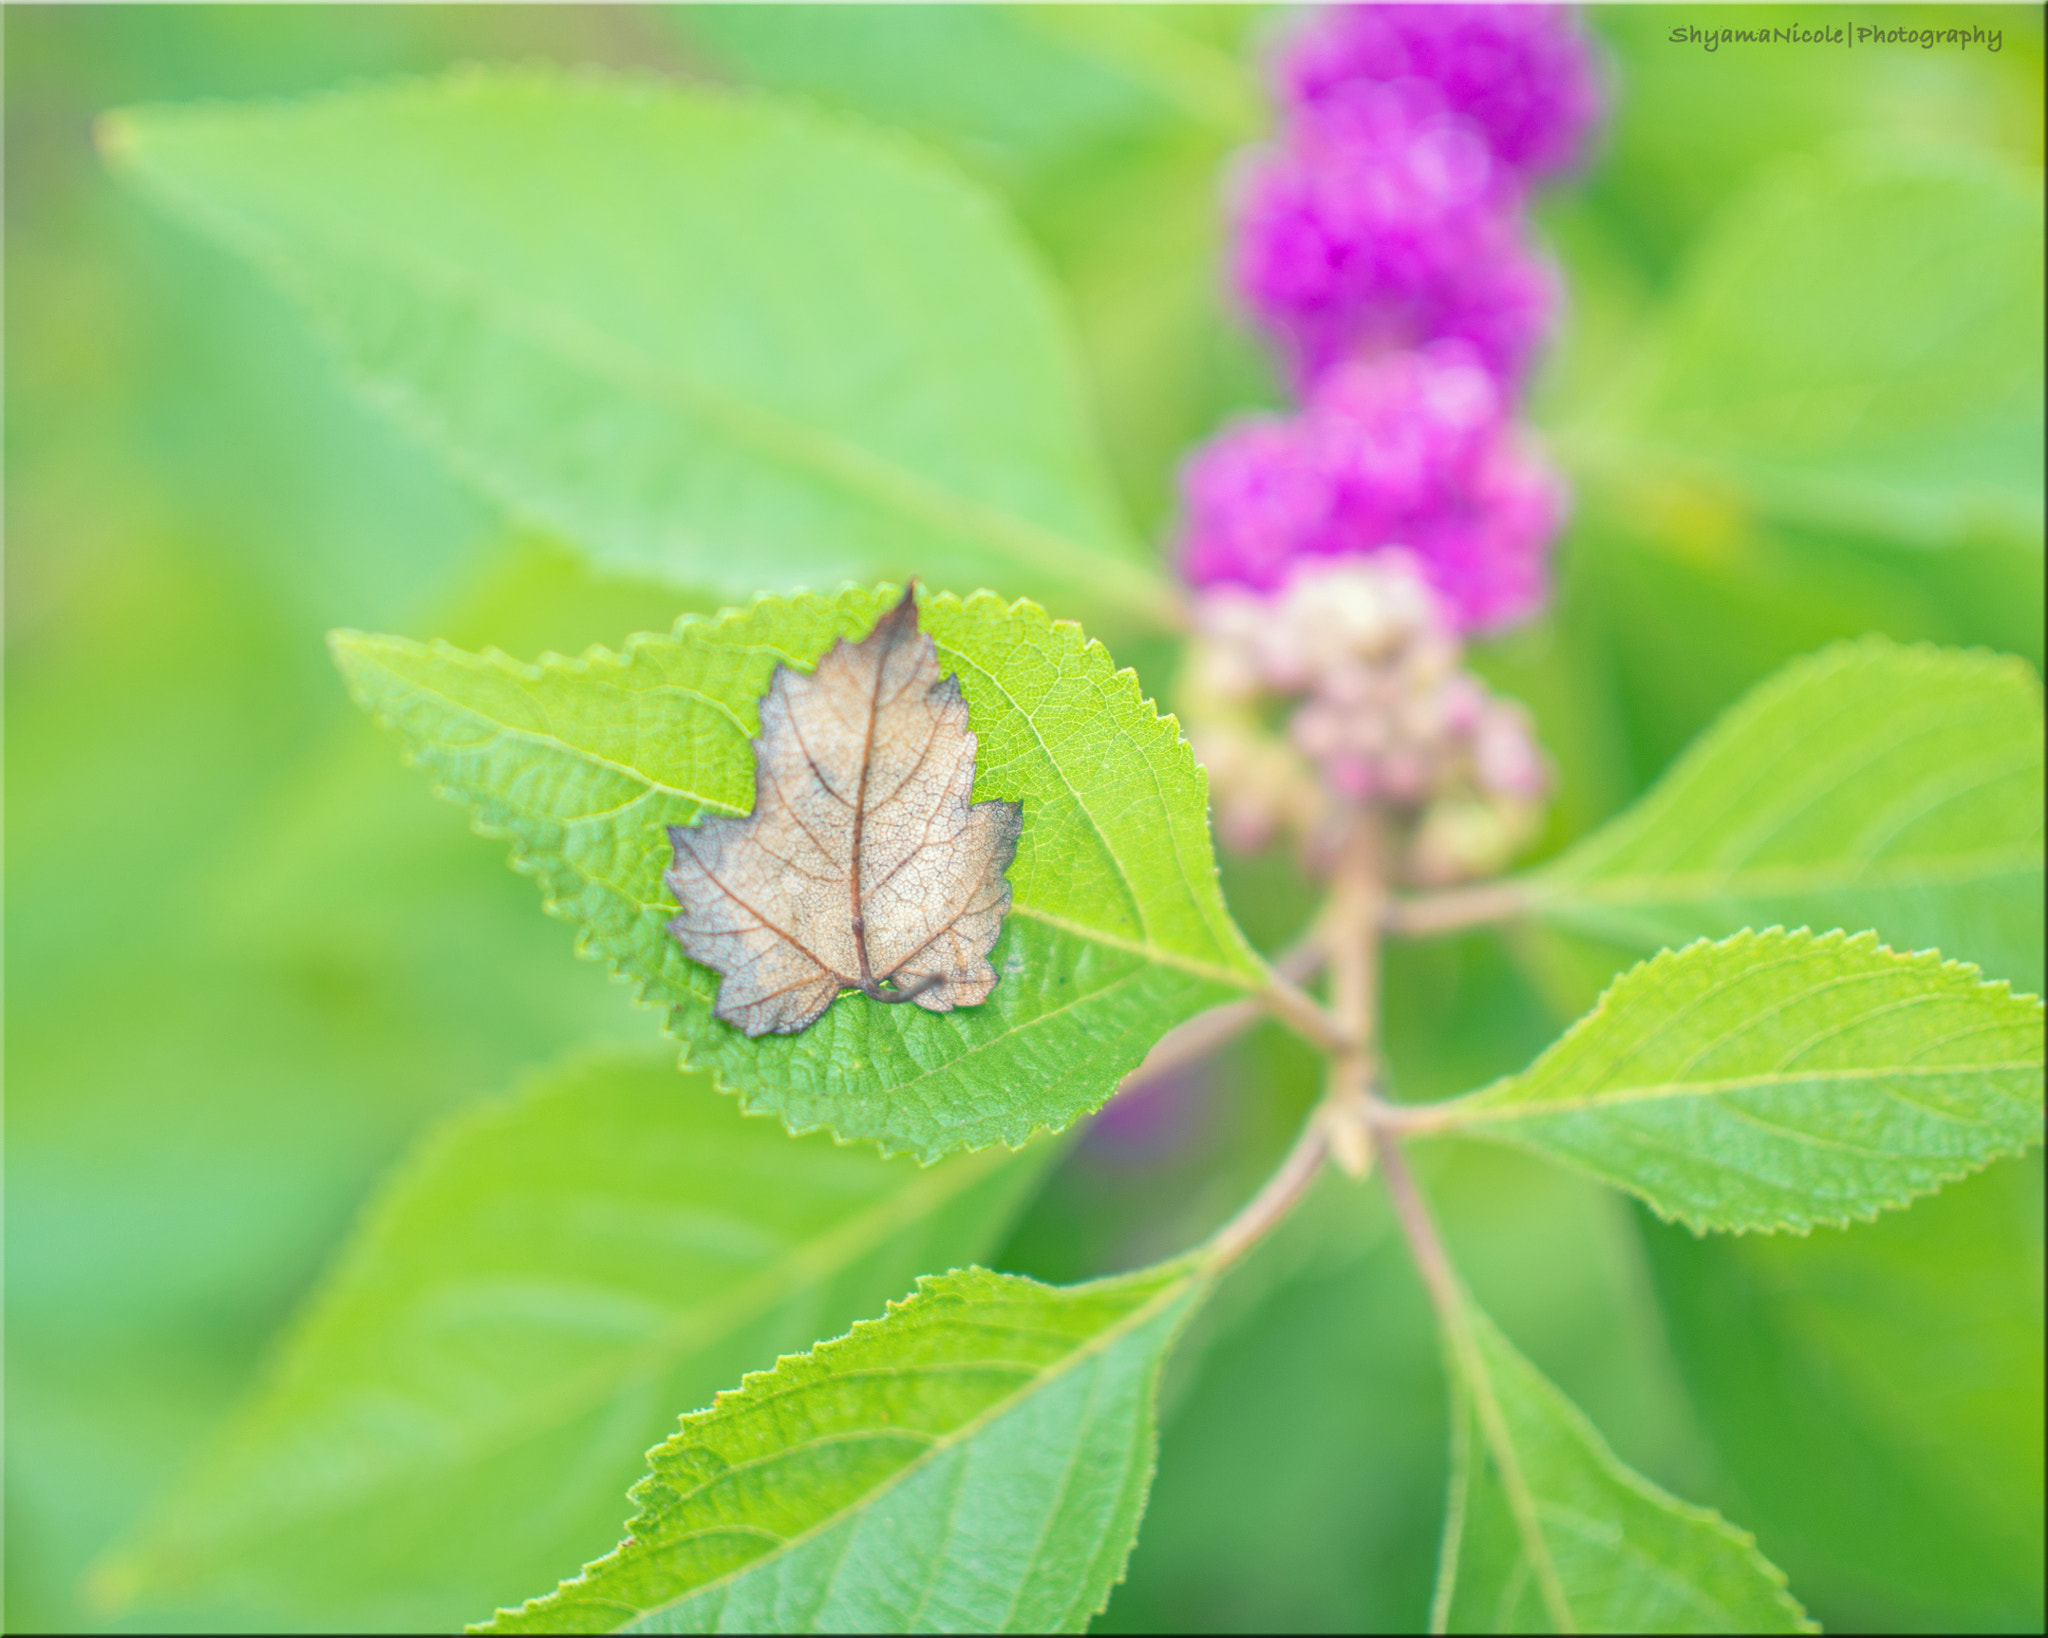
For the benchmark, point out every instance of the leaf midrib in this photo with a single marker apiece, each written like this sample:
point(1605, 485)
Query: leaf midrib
point(374, 649)
point(1468, 1112)
point(569, 338)
point(1703, 773)
point(942, 1443)
point(1188, 887)
point(1691, 1594)
point(1577, 1425)
point(1561, 890)
point(368, 648)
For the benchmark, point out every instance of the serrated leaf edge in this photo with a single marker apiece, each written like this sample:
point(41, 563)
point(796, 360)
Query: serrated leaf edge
point(344, 642)
point(1472, 1115)
point(1173, 1287)
point(1605, 1459)
point(867, 1228)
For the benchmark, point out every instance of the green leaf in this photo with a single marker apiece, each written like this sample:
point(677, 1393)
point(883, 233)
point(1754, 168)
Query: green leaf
point(1677, 145)
point(1547, 1530)
point(701, 336)
point(1868, 786)
point(1116, 930)
point(974, 1461)
point(1873, 1398)
point(462, 1407)
point(1779, 1080)
point(1855, 344)
point(1018, 90)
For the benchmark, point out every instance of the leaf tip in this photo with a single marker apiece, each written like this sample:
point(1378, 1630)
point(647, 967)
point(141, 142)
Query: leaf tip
point(343, 642)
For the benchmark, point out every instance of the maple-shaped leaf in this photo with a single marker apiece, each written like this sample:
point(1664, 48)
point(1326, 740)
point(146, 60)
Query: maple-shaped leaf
point(864, 862)
point(1116, 929)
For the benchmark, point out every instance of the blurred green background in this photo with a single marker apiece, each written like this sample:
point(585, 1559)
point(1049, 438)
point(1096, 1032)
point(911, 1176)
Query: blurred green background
point(251, 961)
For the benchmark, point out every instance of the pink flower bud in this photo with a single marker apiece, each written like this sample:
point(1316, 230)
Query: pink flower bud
point(1462, 701)
point(1318, 730)
point(1352, 777)
point(1506, 759)
point(1404, 775)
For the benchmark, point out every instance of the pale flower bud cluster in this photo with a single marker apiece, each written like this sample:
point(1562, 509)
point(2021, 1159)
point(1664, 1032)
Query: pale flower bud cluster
point(1382, 714)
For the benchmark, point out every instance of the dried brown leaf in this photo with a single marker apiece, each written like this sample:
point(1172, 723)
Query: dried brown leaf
point(864, 864)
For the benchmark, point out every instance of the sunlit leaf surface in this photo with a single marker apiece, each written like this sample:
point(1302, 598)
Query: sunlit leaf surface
point(974, 1461)
point(1116, 929)
point(1555, 1533)
point(1856, 342)
point(1780, 1080)
point(1868, 786)
point(515, 1321)
point(806, 353)
point(1873, 1395)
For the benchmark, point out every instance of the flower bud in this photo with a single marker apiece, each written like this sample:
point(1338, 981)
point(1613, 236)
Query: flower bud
point(1383, 716)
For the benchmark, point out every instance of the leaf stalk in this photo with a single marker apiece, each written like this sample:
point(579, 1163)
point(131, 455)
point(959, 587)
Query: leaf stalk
point(1431, 914)
point(1276, 1197)
point(1196, 1038)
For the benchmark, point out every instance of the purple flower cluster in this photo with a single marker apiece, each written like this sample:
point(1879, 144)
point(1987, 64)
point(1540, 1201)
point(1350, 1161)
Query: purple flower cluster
point(1520, 75)
point(1384, 222)
point(1411, 450)
point(1389, 214)
point(1382, 241)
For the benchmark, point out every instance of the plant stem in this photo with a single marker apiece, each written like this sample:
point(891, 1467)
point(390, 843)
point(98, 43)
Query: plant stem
point(1357, 901)
point(1292, 1006)
point(1197, 1037)
point(1418, 1119)
point(1344, 935)
point(1192, 1041)
point(1351, 934)
point(1419, 1229)
point(1275, 1198)
point(1449, 912)
point(1353, 1123)
point(1447, 1297)
point(1360, 911)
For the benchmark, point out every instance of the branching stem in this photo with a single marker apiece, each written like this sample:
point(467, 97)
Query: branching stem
point(1196, 1038)
point(1357, 902)
point(1354, 1125)
point(1418, 1228)
point(1452, 911)
point(1351, 936)
point(1294, 1007)
point(1346, 936)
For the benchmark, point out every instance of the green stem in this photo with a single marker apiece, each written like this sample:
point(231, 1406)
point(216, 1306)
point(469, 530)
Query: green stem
point(1447, 1296)
point(1196, 1038)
